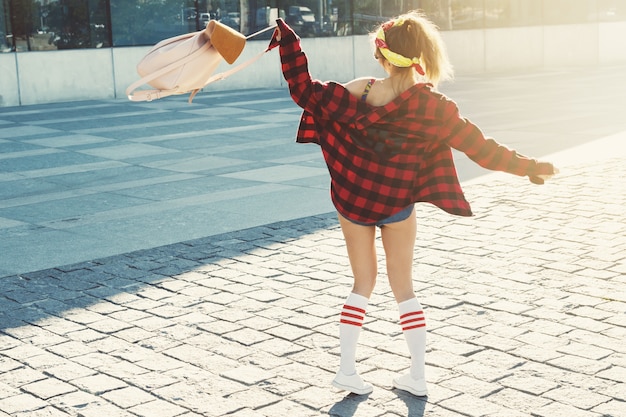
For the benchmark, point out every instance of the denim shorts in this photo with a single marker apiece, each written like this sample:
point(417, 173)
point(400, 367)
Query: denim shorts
point(398, 217)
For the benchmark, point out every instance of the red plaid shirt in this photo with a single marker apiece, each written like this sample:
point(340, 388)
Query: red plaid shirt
point(382, 159)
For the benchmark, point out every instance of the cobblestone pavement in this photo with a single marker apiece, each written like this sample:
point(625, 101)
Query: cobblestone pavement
point(525, 306)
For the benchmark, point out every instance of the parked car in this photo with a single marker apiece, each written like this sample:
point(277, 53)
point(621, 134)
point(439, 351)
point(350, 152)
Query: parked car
point(232, 19)
point(204, 19)
point(302, 20)
point(189, 13)
point(5, 46)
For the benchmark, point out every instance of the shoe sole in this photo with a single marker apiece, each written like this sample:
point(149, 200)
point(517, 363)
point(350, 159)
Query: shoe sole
point(352, 389)
point(410, 390)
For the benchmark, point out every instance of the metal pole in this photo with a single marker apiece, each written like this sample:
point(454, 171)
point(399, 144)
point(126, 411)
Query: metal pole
point(320, 14)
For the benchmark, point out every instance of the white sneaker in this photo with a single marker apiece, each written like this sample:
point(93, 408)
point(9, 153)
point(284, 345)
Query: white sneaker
point(416, 387)
point(352, 383)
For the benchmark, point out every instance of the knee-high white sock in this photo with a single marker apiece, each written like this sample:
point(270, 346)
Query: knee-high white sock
point(414, 329)
point(352, 316)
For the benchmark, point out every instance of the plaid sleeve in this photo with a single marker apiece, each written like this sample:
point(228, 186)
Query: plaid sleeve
point(326, 101)
point(463, 135)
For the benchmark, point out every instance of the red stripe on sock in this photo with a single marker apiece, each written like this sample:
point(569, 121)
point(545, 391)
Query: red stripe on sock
point(354, 316)
point(353, 323)
point(402, 323)
point(412, 313)
point(404, 329)
point(416, 317)
point(360, 310)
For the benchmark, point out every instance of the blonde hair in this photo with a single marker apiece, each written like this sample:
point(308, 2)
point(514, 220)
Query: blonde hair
point(413, 35)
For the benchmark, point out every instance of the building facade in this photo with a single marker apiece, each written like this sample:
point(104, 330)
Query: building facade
point(65, 50)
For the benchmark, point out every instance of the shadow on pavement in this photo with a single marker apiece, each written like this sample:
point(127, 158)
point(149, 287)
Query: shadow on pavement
point(129, 279)
point(348, 406)
point(416, 405)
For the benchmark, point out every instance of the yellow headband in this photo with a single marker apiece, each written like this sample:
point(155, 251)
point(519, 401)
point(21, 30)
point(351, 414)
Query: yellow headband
point(395, 58)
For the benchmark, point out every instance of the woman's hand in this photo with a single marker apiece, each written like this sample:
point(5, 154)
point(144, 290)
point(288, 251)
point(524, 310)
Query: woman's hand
point(284, 32)
point(277, 36)
point(548, 176)
point(546, 171)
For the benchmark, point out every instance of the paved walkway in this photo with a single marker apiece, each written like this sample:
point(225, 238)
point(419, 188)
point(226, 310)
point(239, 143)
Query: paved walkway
point(184, 272)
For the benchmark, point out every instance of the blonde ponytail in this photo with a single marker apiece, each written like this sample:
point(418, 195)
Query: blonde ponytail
point(414, 36)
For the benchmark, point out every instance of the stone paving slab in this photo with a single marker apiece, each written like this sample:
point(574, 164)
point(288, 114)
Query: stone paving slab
point(525, 305)
point(106, 177)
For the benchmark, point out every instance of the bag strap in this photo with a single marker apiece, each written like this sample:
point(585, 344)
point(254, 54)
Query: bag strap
point(149, 95)
point(226, 74)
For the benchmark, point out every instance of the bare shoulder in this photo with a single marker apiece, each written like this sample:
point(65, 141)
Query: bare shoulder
point(356, 86)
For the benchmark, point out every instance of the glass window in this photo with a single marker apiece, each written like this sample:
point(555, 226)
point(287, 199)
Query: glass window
point(319, 17)
point(6, 35)
point(369, 14)
point(337, 18)
point(611, 10)
point(30, 25)
point(439, 12)
point(259, 14)
point(36, 25)
point(561, 12)
point(467, 14)
point(455, 14)
point(227, 12)
point(71, 24)
point(306, 17)
point(146, 22)
point(21, 25)
point(508, 13)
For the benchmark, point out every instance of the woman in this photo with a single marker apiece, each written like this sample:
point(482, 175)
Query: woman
point(387, 144)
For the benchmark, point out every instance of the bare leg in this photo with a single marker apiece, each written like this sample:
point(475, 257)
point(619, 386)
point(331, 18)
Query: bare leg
point(399, 244)
point(362, 255)
point(360, 243)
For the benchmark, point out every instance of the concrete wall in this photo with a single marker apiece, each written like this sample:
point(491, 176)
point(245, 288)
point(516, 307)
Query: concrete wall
point(70, 75)
point(612, 43)
point(571, 45)
point(55, 76)
point(9, 88)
